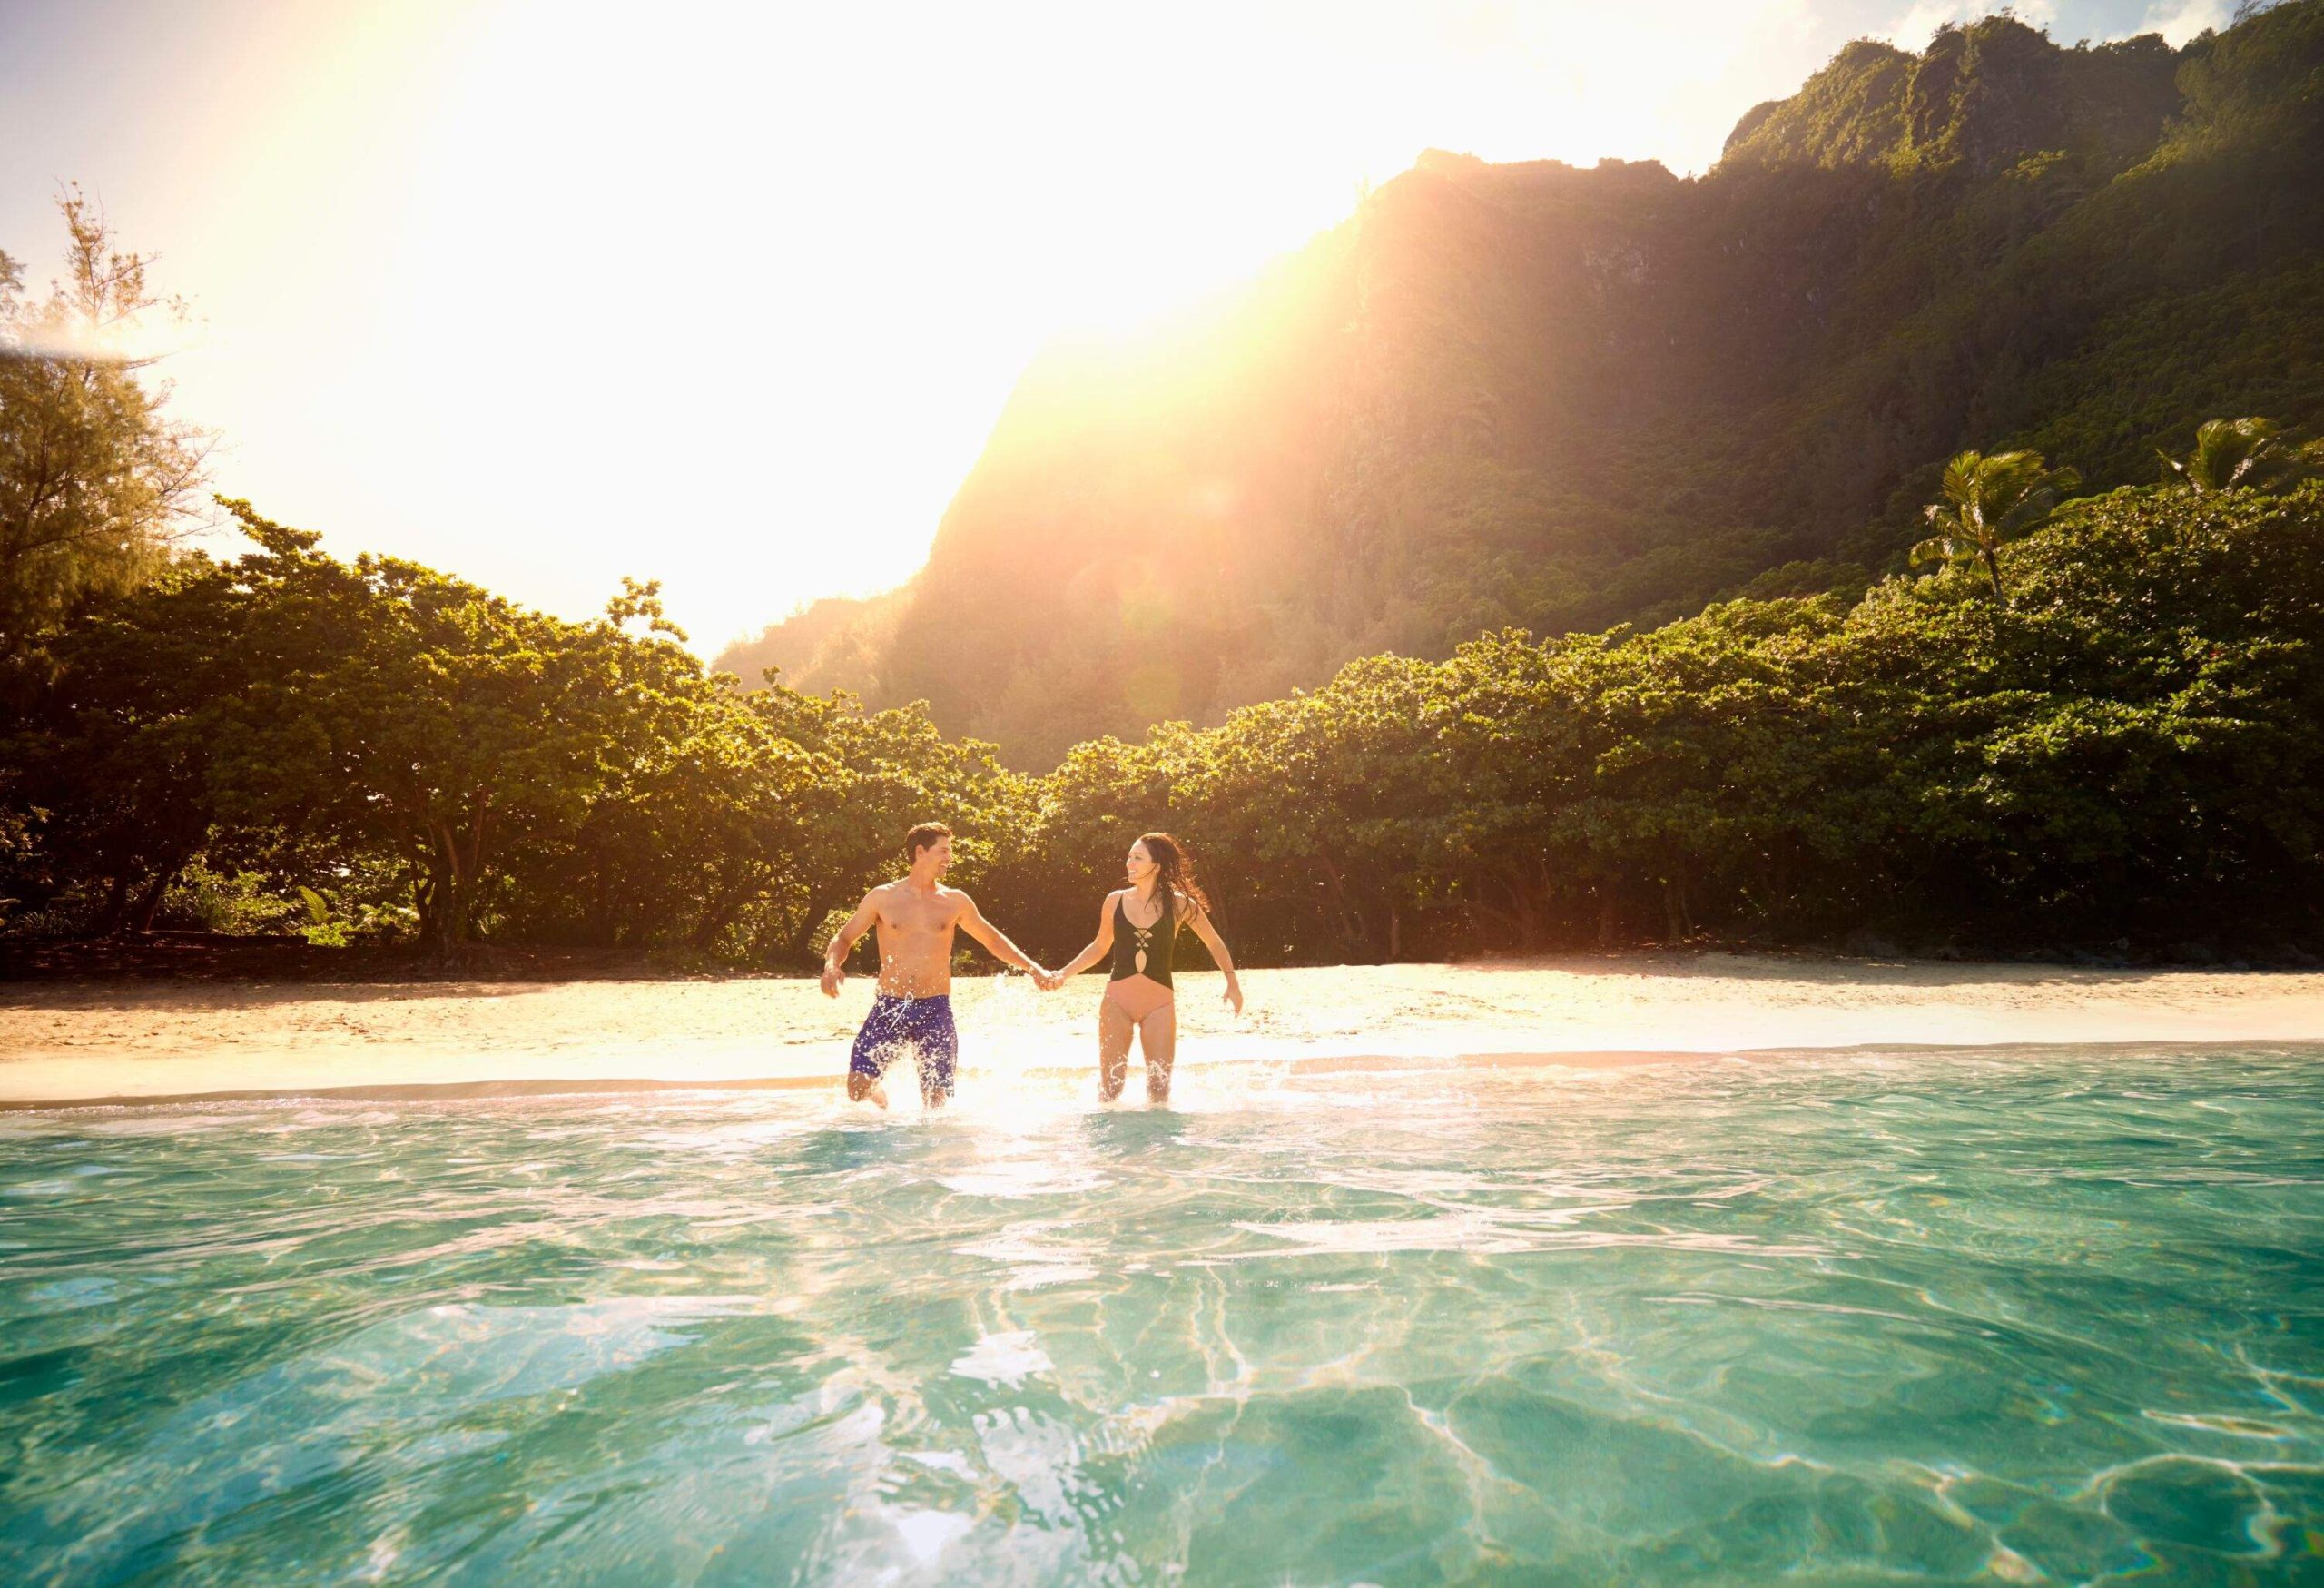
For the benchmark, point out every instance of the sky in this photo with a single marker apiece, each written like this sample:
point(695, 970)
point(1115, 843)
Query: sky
point(543, 292)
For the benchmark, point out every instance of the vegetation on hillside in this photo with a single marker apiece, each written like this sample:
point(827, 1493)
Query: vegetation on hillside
point(1610, 484)
point(830, 644)
point(1562, 399)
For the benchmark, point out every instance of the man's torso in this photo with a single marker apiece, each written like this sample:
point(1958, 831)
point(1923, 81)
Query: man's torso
point(916, 940)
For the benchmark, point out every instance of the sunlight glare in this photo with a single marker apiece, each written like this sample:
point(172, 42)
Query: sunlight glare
point(546, 295)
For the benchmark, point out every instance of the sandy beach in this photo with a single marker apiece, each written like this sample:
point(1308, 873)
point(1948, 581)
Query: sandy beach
point(65, 1042)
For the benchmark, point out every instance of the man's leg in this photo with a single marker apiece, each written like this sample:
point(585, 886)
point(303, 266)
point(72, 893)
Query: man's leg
point(939, 1042)
point(868, 1060)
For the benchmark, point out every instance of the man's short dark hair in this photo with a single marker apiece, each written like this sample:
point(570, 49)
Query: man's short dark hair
point(921, 836)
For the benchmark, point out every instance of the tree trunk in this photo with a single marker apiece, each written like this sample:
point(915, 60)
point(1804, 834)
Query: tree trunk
point(116, 907)
point(719, 915)
point(455, 878)
point(1677, 917)
point(802, 946)
point(601, 907)
point(1521, 912)
point(423, 902)
point(149, 903)
point(444, 919)
point(1354, 934)
point(443, 928)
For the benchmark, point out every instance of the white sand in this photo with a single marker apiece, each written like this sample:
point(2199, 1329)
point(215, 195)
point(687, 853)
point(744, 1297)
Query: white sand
point(80, 1041)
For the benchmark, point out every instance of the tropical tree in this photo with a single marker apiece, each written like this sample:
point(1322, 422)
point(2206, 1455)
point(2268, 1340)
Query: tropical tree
point(406, 711)
point(1989, 500)
point(1320, 802)
point(112, 754)
point(96, 484)
point(2253, 454)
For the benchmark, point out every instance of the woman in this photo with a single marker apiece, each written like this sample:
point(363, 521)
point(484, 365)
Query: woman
point(1138, 926)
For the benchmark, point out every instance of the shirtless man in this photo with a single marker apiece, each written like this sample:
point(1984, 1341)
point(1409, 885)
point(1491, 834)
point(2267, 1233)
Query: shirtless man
point(913, 1011)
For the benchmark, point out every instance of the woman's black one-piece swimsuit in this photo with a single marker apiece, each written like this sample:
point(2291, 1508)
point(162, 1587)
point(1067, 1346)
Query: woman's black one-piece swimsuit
point(1144, 951)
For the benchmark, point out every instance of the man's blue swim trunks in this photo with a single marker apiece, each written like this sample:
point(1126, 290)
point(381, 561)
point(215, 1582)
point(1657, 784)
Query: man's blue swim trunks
point(920, 1028)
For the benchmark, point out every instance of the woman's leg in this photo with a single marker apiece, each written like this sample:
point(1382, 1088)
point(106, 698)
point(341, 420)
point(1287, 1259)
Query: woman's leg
point(1158, 1033)
point(1114, 1029)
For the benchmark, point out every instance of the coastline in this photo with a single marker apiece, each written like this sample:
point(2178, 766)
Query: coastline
point(71, 1042)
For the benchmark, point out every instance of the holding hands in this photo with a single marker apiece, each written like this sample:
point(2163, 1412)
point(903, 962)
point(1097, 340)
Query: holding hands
point(1049, 981)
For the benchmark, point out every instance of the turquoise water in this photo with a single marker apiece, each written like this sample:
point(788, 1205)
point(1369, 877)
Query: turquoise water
point(2043, 1316)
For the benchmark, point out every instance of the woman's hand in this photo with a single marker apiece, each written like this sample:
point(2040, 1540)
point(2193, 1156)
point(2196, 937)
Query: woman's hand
point(1235, 991)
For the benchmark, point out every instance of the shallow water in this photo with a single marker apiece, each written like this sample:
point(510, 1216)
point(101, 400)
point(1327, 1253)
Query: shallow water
point(2041, 1315)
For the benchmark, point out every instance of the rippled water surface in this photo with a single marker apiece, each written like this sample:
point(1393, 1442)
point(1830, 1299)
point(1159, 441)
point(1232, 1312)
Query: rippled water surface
point(2043, 1316)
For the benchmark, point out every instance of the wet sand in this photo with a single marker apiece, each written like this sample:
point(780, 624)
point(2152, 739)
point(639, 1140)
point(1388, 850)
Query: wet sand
point(114, 1041)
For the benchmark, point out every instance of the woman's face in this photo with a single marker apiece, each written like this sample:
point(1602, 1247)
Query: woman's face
point(1140, 864)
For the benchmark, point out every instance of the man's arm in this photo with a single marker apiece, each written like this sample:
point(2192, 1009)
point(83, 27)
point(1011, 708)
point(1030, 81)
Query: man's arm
point(835, 956)
point(995, 941)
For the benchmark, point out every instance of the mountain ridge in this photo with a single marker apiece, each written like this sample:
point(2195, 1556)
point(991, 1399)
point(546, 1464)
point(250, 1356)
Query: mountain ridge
point(1541, 395)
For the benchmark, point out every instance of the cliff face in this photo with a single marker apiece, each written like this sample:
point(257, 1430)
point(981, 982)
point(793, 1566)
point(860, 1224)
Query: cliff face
point(1538, 395)
point(1982, 97)
point(838, 643)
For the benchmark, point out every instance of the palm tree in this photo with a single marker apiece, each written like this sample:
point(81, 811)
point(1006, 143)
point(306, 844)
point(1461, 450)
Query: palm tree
point(2252, 453)
point(1988, 500)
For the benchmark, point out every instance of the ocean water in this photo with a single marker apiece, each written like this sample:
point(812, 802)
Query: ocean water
point(2045, 1315)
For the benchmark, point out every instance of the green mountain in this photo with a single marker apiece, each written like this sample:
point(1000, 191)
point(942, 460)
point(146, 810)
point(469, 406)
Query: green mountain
point(1536, 395)
point(836, 643)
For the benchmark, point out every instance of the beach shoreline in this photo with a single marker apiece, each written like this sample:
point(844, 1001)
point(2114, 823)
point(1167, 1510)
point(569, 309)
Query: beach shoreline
point(231, 959)
point(105, 1040)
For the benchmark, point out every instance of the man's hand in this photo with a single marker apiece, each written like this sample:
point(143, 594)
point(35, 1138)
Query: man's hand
point(1047, 981)
point(832, 977)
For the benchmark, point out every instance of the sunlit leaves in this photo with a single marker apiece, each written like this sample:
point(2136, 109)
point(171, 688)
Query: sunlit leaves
point(2247, 454)
point(96, 482)
point(1989, 500)
point(2135, 746)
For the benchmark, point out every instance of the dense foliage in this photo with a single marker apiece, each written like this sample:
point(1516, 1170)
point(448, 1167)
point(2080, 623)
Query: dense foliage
point(96, 482)
point(432, 761)
point(1693, 432)
point(2129, 750)
point(1533, 395)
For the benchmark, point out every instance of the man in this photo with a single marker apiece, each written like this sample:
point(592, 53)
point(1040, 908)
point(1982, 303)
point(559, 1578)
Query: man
point(913, 1011)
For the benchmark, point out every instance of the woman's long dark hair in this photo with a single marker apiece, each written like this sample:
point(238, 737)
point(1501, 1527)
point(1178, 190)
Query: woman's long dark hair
point(1177, 869)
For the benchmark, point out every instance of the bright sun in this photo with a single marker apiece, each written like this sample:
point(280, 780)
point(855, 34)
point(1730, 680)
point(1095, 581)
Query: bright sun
point(547, 294)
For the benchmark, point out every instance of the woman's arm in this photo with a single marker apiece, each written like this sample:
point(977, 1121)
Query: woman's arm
point(1099, 946)
point(1198, 919)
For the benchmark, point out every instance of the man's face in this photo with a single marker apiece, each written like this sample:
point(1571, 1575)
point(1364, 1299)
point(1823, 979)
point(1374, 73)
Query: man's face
point(940, 856)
